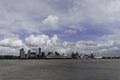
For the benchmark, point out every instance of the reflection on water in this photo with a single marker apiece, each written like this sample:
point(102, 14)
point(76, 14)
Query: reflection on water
point(60, 69)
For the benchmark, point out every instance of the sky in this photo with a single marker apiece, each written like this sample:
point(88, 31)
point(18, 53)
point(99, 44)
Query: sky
point(84, 26)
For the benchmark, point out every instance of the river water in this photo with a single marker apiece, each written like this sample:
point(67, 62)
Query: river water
point(59, 69)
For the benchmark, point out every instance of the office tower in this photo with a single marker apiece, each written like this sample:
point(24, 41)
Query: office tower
point(29, 53)
point(22, 53)
point(39, 52)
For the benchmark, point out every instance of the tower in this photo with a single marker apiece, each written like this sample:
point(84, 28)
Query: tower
point(22, 53)
point(39, 52)
point(29, 53)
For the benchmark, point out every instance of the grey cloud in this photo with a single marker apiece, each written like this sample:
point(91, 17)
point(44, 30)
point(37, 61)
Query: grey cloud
point(29, 15)
point(70, 31)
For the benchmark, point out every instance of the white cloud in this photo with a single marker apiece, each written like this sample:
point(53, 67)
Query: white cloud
point(36, 40)
point(8, 51)
point(17, 15)
point(56, 44)
point(51, 21)
point(11, 45)
point(43, 41)
point(13, 41)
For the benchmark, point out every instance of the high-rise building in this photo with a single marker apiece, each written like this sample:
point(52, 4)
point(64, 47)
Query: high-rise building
point(22, 53)
point(39, 52)
point(29, 53)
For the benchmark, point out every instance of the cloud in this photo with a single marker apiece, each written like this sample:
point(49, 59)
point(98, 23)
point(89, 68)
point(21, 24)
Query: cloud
point(8, 51)
point(43, 41)
point(13, 41)
point(11, 45)
point(83, 47)
point(70, 32)
point(76, 11)
point(27, 15)
point(97, 11)
point(51, 21)
point(40, 16)
point(36, 40)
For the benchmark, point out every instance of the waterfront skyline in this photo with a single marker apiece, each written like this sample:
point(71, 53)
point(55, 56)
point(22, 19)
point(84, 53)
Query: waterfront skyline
point(60, 25)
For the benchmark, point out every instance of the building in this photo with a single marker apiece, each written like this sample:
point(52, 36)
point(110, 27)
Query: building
point(75, 55)
point(39, 52)
point(33, 55)
point(28, 53)
point(22, 53)
point(50, 55)
point(56, 55)
point(98, 57)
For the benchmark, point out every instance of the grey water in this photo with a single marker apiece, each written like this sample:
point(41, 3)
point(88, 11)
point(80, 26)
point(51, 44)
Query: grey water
point(60, 69)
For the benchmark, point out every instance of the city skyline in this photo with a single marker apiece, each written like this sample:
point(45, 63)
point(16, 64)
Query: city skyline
point(60, 25)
